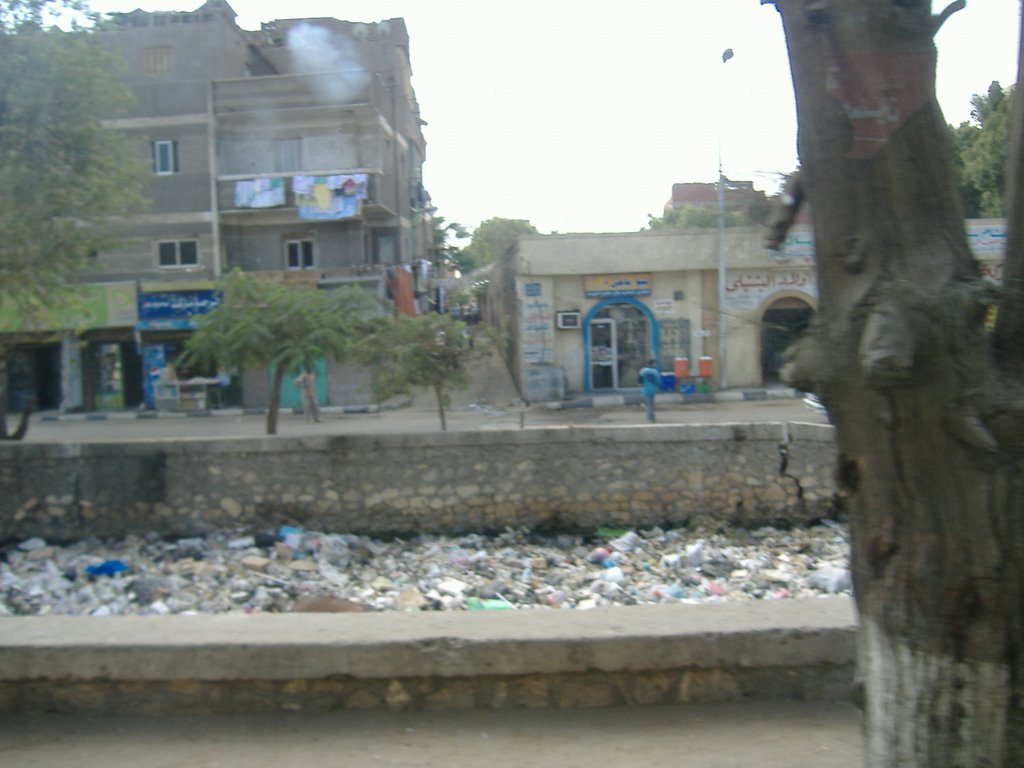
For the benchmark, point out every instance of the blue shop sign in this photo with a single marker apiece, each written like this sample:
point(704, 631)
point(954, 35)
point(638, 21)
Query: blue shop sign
point(174, 309)
point(176, 304)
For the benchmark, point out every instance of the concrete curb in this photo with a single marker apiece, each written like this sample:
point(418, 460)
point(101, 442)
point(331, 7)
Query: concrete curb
point(618, 400)
point(622, 399)
point(545, 658)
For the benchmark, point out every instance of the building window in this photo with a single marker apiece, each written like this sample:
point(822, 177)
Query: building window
point(178, 253)
point(287, 155)
point(165, 157)
point(156, 60)
point(299, 254)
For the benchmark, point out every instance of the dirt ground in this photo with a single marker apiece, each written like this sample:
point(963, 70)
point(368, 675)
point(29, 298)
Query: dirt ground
point(722, 735)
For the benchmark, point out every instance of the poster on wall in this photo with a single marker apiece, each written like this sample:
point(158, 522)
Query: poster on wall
point(675, 341)
point(538, 325)
point(987, 239)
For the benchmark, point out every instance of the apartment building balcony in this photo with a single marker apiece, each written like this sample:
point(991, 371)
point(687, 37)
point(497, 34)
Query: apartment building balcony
point(249, 97)
point(322, 195)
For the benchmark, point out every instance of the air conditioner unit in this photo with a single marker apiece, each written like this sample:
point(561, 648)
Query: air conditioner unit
point(567, 320)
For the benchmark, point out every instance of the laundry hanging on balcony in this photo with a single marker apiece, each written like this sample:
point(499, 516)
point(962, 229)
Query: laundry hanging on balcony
point(259, 193)
point(338, 196)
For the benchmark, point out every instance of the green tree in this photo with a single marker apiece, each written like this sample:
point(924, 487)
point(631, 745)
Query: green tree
point(429, 350)
point(66, 177)
point(262, 323)
point(492, 240)
point(981, 152)
point(446, 252)
point(692, 217)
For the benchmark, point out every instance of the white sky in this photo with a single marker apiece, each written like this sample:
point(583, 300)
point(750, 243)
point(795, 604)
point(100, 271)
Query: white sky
point(579, 115)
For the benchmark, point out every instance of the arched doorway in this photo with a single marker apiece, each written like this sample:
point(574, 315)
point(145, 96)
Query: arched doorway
point(620, 335)
point(781, 324)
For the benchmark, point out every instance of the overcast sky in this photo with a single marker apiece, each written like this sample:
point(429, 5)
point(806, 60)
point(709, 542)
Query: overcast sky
point(579, 115)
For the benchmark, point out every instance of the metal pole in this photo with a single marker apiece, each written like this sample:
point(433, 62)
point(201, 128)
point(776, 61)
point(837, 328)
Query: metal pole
point(722, 381)
point(722, 318)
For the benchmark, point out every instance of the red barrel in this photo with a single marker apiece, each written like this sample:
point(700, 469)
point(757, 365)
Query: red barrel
point(706, 367)
point(681, 368)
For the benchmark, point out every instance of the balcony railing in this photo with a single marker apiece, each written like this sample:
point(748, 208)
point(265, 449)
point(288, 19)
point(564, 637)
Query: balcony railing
point(269, 193)
point(286, 92)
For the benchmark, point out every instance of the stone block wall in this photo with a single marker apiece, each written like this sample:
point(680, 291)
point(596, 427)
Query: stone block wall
point(561, 478)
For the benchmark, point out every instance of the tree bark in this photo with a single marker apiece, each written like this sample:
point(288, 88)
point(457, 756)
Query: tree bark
point(273, 406)
point(439, 394)
point(1009, 333)
point(929, 429)
point(22, 429)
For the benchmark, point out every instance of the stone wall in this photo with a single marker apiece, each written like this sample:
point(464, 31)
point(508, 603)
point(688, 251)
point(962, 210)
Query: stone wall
point(562, 478)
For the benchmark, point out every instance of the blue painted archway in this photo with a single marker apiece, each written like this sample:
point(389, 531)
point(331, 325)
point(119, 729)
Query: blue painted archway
point(652, 325)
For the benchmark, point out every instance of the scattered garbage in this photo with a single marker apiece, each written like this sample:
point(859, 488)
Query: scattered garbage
point(106, 568)
point(292, 569)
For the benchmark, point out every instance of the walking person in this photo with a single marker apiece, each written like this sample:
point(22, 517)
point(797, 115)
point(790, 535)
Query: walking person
point(650, 379)
point(306, 382)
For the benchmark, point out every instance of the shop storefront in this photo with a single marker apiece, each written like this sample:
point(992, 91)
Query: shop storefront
point(586, 325)
point(82, 357)
point(166, 319)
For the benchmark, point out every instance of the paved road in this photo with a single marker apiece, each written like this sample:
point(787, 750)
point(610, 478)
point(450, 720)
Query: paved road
point(420, 416)
point(728, 735)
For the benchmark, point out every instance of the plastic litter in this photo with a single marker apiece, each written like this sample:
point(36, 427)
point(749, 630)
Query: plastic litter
point(106, 568)
point(490, 604)
point(518, 568)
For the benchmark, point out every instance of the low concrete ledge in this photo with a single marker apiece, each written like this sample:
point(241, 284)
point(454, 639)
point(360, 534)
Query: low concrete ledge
point(545, 658)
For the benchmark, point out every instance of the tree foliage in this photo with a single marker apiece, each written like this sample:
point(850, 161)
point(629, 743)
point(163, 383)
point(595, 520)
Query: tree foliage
point(691, 217)
point(66, 176)
point(429, 350)
point(492, 240)
point(263, 323)
point(447, 252)
point(982, 150)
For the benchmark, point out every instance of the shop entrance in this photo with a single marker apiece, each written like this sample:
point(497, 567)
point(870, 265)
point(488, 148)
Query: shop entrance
point(33, 375)
point(781, 324)
point(620, 345)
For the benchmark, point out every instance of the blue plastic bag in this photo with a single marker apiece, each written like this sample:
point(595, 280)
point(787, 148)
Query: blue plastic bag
point(107, 568)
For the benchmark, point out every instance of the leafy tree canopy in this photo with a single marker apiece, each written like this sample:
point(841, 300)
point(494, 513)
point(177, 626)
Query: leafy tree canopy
point(25, 15)
point(981, 152)
point(447, 252)
point(261, 322)
point(428, 350)
point(67, 177)
point(491, 240)
point(692, 217)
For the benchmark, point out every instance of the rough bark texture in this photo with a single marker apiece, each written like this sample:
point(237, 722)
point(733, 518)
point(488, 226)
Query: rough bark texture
point(1009, 340)
point(22, 429)
point(929, 429)
point(274, 403)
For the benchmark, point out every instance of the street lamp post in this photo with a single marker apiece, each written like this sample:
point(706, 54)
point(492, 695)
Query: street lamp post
point(722, 320)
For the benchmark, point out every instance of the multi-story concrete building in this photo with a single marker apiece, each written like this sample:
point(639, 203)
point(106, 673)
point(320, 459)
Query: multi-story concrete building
point(294, 150)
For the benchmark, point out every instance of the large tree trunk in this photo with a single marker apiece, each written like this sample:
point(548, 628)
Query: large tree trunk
point(22, 429)
point(439, 394)
point(274, 401)
point(929, 430)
